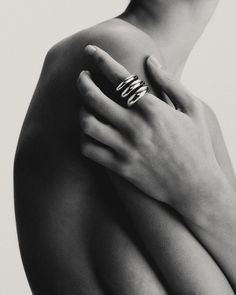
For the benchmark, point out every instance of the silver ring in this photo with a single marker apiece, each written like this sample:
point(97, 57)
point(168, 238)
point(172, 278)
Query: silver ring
point(126, 81)
point(137, 95)
point(134, 85)
point(131, 90)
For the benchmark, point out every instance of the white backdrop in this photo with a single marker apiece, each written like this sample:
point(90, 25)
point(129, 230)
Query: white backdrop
point(29, 28)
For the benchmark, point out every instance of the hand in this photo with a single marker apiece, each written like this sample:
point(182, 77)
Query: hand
point(166, 153)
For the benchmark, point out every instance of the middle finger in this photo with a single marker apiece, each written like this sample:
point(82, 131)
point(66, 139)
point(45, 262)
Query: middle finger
point(117, 73)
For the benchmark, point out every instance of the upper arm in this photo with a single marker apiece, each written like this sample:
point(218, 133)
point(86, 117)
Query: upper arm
point(56, 189)
point(59, 196)
point(53, 189)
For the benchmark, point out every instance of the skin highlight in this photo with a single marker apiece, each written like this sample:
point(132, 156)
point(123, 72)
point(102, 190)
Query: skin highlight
point(195, 204)
point(64, 201)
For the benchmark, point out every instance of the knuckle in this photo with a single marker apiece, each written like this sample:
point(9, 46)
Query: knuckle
point(124, 169)
point(135, 129)
point(89, 93)
point(85, 149)
point(138, 139)
point(90, 97)
point(133, 158)
point(127, 167)
point(135, 135)
point(123, 150)
point(145, 144)
point(86, 125)
point(79, 84)
point(101, 59)
point(80, 81)
point(140, 134)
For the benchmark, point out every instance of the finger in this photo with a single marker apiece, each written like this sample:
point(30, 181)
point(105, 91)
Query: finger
point(100, 104)
point(103, 133)
point(167, 100)
point(114, 71)
point(175, 90)
point(99, 154)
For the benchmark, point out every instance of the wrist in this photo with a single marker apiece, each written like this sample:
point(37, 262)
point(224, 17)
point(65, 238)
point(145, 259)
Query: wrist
point(212, 202)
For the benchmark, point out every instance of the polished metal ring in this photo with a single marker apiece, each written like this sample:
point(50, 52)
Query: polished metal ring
point(131, 90)
point(126, 81)
point(137, 95)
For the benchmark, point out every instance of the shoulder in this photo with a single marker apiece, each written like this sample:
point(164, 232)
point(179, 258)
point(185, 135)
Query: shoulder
point(55, 103)
point(117, 37)
point(113, 30)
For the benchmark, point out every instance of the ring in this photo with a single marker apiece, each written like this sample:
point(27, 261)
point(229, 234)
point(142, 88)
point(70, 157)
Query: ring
point(131, 90)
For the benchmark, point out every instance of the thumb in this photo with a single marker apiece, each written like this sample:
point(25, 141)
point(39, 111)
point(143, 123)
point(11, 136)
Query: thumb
point(173, 88)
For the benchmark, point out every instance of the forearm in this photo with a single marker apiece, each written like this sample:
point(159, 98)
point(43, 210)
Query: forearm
point(172, 246)
point(213, 221)
point(169, 243)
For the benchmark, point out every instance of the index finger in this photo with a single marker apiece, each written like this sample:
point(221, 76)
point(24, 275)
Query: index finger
point(113, 70)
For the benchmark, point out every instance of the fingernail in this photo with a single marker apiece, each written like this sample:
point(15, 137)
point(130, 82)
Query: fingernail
point(154, 62)
point(87, 72)
point(90, 49)
point(80, 74)
point(84, 72)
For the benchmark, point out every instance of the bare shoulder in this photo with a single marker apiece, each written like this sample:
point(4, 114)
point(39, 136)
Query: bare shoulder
point(58, 194)
point(56, 98)
point(110, 34)
point(125, 42)
point(50, 133)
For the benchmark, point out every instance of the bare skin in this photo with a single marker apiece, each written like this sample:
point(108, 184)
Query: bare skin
point(191, 180)
point(68, 212)
point(66, 206)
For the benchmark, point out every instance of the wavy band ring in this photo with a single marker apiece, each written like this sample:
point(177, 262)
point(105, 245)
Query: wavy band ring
point(131, 90)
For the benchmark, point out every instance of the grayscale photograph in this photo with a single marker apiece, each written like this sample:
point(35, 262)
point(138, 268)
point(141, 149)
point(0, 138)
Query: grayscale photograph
point(118, 123)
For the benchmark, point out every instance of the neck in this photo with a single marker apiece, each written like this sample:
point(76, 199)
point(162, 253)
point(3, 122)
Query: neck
point(174, 25)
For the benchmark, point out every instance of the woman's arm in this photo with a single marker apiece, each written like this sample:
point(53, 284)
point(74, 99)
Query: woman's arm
point(52, 191)
point(215, 227)
point(64, 211)
point(172, 159)
point(156, 225)
point(213, 217)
